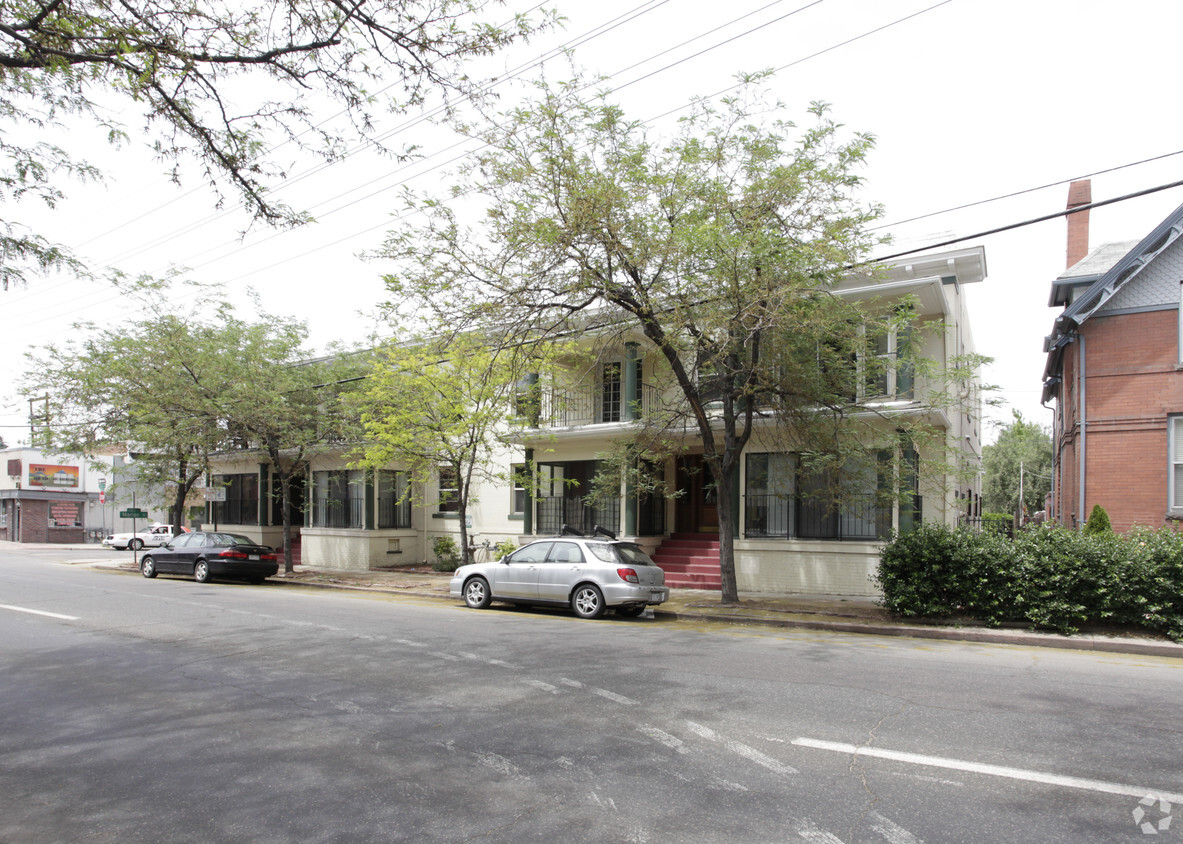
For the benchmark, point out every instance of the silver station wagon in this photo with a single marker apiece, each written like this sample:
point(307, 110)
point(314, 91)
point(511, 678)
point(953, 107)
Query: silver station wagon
point(588, 574)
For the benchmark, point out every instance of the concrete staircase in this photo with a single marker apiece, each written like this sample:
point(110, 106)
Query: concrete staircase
point(690, 561)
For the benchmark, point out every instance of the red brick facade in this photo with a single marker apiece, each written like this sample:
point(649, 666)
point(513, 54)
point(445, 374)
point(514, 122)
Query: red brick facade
point(1132, 384)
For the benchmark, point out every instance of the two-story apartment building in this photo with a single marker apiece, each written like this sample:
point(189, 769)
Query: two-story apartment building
point(787, 541)
point(1113, 372)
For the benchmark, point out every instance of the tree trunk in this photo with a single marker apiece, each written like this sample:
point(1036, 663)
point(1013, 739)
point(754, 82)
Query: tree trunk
point(285, 496)
point(723, 495)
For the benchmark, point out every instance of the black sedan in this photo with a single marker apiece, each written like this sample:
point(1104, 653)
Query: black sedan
point(208, 555)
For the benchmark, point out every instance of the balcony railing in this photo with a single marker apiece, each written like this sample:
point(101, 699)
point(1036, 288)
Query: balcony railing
point(394, 514)
point(569, 409)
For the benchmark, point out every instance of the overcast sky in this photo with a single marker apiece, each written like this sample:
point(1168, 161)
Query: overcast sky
point(970, 100)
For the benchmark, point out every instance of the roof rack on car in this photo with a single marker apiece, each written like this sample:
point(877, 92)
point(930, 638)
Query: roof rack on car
point(603, 531)
point(567, 530)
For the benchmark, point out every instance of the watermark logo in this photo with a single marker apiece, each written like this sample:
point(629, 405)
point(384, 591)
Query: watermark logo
point(1152, 815)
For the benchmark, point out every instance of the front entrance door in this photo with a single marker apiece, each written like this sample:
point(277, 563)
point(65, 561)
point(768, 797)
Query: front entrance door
point(697, 508)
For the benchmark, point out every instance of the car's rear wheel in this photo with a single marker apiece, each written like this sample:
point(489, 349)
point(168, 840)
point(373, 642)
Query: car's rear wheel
point(201, 572)
point(630, 610)
point(588, 601)
point(476, 593)
point(148, 567)
point(136, 544)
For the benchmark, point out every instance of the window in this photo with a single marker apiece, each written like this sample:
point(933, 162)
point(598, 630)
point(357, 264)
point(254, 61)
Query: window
point(517, 493)
point(241, 506)
point(610, 392)
point(783, 500)
point(1175, 481)
point(449, 501)
point(338, 498)
point(394, 499)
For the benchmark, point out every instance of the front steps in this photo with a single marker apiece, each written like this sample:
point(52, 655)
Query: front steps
point(690, 561)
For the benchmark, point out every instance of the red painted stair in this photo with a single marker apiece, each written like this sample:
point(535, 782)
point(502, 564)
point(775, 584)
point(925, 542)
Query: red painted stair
point(690, 561)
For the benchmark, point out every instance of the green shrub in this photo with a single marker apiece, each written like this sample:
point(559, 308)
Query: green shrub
point(447, 554)
point(1098, 522)
point(505, 546)
point(1046, 576)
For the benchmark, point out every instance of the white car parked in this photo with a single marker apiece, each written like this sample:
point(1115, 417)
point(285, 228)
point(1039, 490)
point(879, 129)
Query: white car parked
point(153, 537)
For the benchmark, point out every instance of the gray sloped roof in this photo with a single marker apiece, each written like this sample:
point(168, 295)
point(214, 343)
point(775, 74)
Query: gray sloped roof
point(1121, 269)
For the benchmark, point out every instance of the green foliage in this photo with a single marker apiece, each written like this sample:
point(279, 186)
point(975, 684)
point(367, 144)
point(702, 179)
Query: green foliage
point(447, 554)
point(1023, 448)
point(504, 548)
point(1098, 522)
point(715, 250)
point(1046, 576)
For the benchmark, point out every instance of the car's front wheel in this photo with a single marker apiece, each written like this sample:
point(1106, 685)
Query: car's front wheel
point(148, 567)
point(136, 544)
point(476, 593)
point(201, 572)
point(588, 601)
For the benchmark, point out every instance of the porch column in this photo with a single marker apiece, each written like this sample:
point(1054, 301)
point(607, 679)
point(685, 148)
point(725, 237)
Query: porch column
point(632, 382)
point(528, 514)
point(264, 502)
point(370, 486)
point(631, 506)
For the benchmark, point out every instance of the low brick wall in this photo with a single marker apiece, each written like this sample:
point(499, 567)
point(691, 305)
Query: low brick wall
point(807, 567)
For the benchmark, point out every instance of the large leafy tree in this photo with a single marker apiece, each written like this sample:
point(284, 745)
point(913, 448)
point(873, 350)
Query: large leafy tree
point(720, 247)
point(151, 386)
point(446, 404)
point(224, 84)
point(178, 389)
point(1017, 468)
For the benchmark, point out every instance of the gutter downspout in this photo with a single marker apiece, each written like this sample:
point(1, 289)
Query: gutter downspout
point(1083, 421)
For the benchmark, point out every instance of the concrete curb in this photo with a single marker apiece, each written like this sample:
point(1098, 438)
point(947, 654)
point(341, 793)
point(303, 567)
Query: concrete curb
point(916, 630)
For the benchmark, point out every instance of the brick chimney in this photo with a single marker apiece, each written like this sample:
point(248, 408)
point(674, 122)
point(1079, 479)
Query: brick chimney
point(1079, 193)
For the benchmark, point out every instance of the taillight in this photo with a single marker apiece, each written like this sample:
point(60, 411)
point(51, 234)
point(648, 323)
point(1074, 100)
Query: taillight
point(629, 575)
point(231, 554)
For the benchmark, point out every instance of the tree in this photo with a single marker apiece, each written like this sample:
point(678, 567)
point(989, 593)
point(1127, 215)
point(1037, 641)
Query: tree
point(1021, 457)
point(439, 407)
point(151, 387)
point(181, 65)
point(719, 247)
point(285, 402)
point(177, 390)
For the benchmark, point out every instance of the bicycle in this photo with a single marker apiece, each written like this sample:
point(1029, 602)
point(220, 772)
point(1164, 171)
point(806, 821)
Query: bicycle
point(482, 553)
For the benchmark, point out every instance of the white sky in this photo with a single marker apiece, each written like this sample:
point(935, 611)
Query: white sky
point(969, 100)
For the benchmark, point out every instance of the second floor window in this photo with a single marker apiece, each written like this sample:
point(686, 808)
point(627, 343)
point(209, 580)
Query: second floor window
point(610, 393)
point(449, 491)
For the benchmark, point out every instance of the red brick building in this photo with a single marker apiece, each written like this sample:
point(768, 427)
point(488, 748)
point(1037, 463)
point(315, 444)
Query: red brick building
point(1115, 372)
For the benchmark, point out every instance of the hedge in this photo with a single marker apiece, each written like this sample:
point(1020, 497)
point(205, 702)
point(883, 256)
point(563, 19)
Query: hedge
point(1045, 576)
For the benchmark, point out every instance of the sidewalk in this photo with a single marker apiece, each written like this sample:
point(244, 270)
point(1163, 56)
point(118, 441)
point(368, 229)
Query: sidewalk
point(813, 612)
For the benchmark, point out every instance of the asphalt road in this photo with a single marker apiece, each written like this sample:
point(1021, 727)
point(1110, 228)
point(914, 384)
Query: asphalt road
point(164, 710)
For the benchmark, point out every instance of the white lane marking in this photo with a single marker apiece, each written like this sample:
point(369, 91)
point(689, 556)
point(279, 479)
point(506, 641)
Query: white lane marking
point(39, 612)
point(612, 696)
point(892, 831)
point(538, 684)
point(749, 753)
point(992, 770)
point(665, 738)
point(448, 657)
point(816, 835)
point(575, 684)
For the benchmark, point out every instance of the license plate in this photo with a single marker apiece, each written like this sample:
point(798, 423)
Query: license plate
point(654, 596)
point(252, 556)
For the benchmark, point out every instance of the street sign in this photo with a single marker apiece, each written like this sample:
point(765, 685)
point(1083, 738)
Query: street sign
point(102, 498)
point(133, 514)
point(102, 484)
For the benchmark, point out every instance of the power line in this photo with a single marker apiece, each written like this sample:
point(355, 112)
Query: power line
point(1010, 226)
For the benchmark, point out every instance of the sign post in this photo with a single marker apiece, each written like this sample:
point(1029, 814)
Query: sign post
point(133, 514)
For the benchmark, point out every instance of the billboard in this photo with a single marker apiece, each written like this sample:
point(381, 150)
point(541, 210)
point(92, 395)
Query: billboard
point(54, 477)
